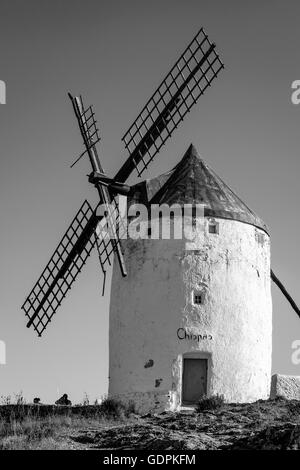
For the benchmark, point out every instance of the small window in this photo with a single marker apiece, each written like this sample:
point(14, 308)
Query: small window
point(259, 238)
point(213, 227)
point(198, 298)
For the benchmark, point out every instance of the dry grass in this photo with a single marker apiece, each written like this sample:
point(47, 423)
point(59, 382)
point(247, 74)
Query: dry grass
point(270, 424)
point(38, 427)
point(44, 433)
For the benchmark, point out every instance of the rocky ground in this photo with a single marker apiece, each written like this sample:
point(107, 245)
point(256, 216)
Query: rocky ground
point(262, 425)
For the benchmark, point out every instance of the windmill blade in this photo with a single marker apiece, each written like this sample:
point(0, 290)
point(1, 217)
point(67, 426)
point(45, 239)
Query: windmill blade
point(64, 266)
point(193, 72)
point(110, 230)
point(89, 132)
point(285, 293)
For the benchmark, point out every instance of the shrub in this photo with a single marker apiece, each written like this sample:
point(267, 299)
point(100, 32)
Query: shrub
point(293, 408)
point(210, 403)
point(115, 408)
point(130, 408)
point(86, 400)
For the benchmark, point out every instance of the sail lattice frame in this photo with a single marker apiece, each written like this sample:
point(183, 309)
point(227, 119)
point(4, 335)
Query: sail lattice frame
point(193, 72)
point(61, 271)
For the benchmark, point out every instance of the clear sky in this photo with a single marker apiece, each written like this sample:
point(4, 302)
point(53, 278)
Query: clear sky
point(115, 53)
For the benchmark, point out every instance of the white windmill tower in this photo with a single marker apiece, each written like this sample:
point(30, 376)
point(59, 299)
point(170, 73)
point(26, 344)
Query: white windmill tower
point(183, 323)
point(188, 322)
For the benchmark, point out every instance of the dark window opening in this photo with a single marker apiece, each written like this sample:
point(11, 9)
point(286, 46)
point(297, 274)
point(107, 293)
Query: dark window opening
point(213, 227)
point(198, 298)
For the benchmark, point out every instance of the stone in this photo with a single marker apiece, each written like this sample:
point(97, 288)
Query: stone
point(63, 400)
point(286, 386)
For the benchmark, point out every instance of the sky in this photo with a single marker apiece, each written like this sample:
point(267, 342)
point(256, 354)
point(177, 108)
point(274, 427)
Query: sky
point(115, 54)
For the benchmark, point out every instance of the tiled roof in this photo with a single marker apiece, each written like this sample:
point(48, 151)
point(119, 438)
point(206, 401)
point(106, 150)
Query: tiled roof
point(192, 181)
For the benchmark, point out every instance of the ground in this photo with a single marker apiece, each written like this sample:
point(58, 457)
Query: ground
point(272, 424)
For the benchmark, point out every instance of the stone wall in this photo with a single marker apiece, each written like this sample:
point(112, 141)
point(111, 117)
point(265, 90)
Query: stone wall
point(286, 386)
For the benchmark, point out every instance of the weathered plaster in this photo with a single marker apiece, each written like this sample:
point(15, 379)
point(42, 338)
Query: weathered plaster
point(156, 298)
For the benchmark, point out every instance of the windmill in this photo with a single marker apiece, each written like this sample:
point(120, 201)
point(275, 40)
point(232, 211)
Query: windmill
point(192, 74)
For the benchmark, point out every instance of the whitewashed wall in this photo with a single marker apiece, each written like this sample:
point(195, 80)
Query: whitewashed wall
point(156, 299)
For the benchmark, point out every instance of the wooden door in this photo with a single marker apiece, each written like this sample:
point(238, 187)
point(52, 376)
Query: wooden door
point(194, 380)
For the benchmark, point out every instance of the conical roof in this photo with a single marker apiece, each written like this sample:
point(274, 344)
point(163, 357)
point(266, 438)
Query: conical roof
point(192, 181)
